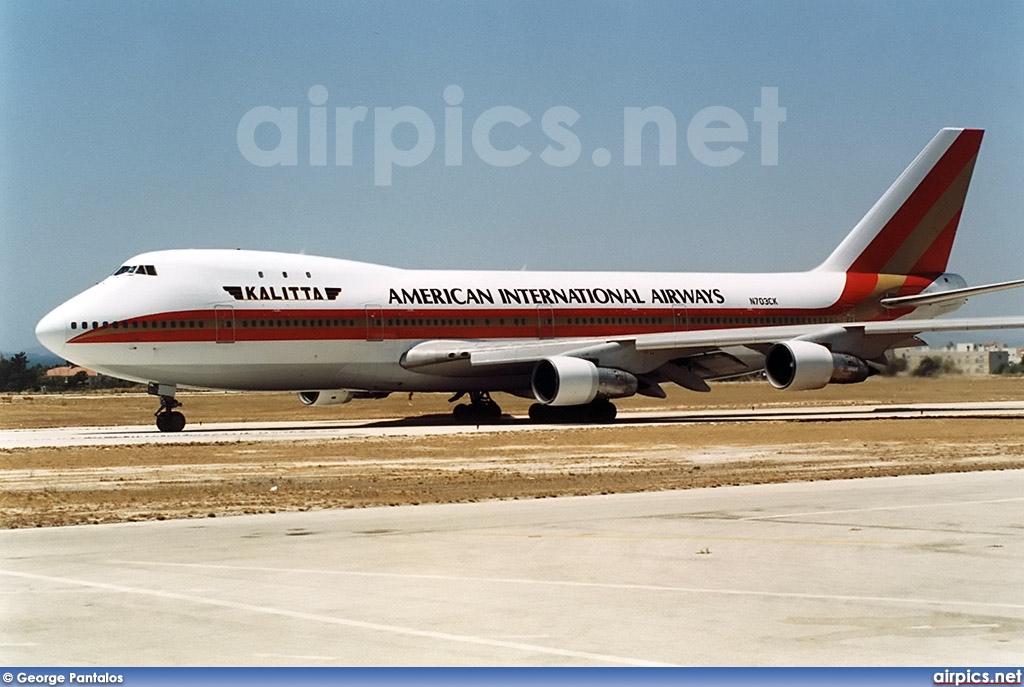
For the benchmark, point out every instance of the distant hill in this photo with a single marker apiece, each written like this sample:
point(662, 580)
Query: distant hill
point(37, 356)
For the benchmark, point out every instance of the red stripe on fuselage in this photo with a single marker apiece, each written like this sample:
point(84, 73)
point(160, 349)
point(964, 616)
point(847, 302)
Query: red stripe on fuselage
point(313, 325)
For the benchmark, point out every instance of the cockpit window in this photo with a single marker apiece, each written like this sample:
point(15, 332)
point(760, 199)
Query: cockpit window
point(136, 269)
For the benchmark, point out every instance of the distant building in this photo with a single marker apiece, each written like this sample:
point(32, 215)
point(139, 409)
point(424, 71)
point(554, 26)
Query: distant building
point(68, 371)
point(970, 359)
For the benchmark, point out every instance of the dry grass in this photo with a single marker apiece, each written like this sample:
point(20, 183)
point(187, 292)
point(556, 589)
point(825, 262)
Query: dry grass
point(87, 485)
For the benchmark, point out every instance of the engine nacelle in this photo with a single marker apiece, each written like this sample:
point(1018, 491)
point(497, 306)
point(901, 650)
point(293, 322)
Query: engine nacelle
point(326, 398)
point(802, 365)
point(568, 381)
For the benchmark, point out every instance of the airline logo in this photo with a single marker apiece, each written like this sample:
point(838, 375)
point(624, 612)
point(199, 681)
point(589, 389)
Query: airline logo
point(550, 296)
point(283, 293)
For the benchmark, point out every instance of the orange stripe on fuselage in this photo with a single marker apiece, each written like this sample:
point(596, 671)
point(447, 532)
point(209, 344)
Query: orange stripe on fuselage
point(863, 292)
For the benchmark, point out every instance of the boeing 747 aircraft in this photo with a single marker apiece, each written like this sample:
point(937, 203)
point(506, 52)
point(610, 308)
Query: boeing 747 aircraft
point(335, 330)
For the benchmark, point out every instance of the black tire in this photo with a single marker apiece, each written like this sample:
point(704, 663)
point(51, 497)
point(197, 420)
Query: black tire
point(170, 422)
point(177, 421)
point(477, 413)
point(597, 412)
point(490, 413)
point(602, 411)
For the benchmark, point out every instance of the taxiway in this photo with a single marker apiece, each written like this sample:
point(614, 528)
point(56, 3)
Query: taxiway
point(916, 570)
point(443, 424)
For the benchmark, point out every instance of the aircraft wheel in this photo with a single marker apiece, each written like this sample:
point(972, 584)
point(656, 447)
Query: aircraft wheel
point(170, 422)
point(540, 413)
point(477, 413)
point(602, 411)
point(597, 412)
point(177, 421)
point(491, 412)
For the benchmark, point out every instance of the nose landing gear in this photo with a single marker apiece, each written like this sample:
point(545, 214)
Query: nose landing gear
point(167, 418)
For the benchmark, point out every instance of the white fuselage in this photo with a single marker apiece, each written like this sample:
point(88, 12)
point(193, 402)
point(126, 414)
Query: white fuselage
point(252, 320)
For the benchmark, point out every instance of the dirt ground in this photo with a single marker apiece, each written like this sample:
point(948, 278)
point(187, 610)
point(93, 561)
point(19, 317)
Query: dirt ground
point(64, 486)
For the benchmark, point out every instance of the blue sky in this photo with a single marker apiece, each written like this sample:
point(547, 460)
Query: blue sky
point(119, 133)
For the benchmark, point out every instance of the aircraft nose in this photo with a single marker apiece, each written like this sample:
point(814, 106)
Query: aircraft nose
point(51, 331)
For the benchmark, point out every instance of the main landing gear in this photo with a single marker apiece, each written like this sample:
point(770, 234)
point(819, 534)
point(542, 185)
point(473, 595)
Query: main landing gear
point(167, 418)
point(595, 412)
point(479, 411)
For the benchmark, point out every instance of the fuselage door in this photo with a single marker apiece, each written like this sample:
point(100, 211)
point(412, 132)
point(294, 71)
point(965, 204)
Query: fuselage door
point(224, 323)
point(374, 323)
point(545, 322)
point(679, 319)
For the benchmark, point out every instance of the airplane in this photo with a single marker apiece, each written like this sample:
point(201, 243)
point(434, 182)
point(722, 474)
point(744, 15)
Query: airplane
point(335, 330)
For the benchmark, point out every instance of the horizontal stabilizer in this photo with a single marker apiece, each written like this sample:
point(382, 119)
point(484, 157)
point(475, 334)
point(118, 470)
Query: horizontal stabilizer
point(947, 296)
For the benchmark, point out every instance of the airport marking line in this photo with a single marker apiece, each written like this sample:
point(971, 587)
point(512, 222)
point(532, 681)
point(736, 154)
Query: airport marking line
point(701, 539)
point(591, 585)
point(883, 508)
point(332, 620)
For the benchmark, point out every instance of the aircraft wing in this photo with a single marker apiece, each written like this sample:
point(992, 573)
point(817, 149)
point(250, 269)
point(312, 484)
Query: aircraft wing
point(834, 334)
point(686, 358)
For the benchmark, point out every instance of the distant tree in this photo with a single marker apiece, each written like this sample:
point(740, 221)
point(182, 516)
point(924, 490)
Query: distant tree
point(930, 366)
point(16, 375)
point(105, 382)
point(78, 380)
point(1011, 368)
point(894, 366)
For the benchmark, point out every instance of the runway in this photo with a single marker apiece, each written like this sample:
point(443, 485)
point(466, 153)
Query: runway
point(917, 570)
point(443, 424)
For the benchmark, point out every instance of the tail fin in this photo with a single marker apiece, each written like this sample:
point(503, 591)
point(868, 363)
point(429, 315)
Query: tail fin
point(910, 229)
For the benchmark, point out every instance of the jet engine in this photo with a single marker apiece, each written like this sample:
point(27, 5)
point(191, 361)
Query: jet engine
point(326, 398)
point(568, 381)
point(802, 365)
